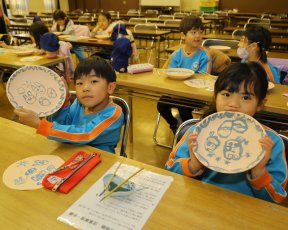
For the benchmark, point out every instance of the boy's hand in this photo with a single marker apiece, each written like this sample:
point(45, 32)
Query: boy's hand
point(195, 164)
point(28, 117)
point(267, 144)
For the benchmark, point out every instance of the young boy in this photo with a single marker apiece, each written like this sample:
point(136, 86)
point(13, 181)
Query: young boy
point(93, 119)
point(50, 43)
point(122, 48)
point(190, 56)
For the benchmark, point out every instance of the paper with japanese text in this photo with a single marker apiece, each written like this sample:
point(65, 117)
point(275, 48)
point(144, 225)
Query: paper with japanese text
point(118, 212)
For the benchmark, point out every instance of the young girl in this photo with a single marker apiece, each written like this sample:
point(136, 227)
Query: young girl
point(50, 43)
point(66, 26)
point(242, 87)
point(104, 25)
point(253, 47)
point(36, 30)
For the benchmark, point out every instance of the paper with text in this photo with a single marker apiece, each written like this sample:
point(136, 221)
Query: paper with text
point(118, 212)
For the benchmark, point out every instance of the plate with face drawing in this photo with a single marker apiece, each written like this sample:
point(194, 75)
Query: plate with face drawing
point(228, 142)
point(36, 88)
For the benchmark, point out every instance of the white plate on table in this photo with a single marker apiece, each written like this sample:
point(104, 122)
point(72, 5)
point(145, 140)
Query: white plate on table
point(178, 73)
point(222, 48)
point(200, 83)
point(36, 88)
point(57, 33)
point(24, 53)
point(102, 36)
point(228, 142)
point(31, 58)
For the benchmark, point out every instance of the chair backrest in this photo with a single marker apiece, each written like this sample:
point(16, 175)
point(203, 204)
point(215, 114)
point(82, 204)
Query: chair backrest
point(285, 140)
point(85, 18)
point(138, 20)
point(126, 111)
point(213, 42)
point(180, 15)
point(133, 12)
point(172, 22)
point(196, 13)
point(151, 27)
point(265, 25)
point(165, 16)
point(238, 32)
point(82, 30)
point(153, 12)
point(259, 20)
point(182, 130)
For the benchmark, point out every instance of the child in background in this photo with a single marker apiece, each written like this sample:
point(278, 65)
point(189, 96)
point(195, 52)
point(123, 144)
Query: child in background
point(104, 25)
point(66, 26)
point(50, 43)
point(93, 119)
point(122, 49)
point(191, 56)
point(253, 47)
point(242, 87)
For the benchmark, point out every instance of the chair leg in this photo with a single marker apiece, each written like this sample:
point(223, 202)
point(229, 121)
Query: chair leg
point(155, 133)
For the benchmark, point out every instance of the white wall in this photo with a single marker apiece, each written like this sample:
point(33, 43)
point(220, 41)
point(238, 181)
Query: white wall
point(188, 5)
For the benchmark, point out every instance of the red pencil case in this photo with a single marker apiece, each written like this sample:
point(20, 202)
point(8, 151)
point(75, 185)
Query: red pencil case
point(71, 172)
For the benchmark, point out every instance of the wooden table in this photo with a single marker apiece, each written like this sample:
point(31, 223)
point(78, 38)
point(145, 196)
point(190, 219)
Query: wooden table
point(153, 84)
point(9, 62)
point(187, 204)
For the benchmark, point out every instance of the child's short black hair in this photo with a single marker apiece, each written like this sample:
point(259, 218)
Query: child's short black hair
point(59, 14)
point(262, 37)
point(252, 74)
point(189, 23)
point(102, 68)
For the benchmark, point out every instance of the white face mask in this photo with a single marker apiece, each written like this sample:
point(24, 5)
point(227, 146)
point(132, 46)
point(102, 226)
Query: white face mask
point(242, 52)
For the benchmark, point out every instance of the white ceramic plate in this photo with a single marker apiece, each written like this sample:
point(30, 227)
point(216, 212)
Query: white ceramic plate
point(178, 73)
point(228, 142)
point(200, 83)
point(270, 85)
point(102, 36)
point(220, 48)
point(57, 33)
point(27, 174)
point(36, 88)
point(24, 53)
point(31, 58)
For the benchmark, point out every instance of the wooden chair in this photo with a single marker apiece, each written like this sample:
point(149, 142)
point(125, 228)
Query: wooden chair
point(165, 16)
point(259, 20)
point(138, 20)
point(238, 32)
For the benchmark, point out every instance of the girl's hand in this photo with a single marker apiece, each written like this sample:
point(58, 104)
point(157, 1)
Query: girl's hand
point(39, 52)
point(195, 164)
point(4, 45)
point(267, 144)
point(28, 117)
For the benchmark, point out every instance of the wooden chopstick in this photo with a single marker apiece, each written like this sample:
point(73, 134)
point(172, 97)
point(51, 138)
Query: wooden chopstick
point(123, 182)
point(113, 175)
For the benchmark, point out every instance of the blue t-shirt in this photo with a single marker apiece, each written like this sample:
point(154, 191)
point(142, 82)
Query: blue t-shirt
point(199, 62)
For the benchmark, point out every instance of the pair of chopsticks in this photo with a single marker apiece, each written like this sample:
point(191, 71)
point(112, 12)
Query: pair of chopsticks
point(118, 186)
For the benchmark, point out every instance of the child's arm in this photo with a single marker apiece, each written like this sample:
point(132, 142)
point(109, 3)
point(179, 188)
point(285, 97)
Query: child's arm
point(269, 177)
point(205, 62)
point(81, 131)
point(182, 160)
